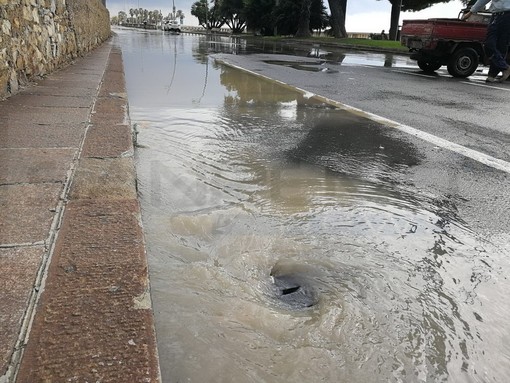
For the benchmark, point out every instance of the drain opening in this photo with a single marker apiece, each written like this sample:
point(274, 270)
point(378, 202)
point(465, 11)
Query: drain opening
point(294, 291)
point(290, 290)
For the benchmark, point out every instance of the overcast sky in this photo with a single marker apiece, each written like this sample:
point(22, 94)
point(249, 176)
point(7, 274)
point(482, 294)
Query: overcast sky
point(362, 15)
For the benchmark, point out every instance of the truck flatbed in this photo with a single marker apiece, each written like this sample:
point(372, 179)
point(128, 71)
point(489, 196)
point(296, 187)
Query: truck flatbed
point(452, 42)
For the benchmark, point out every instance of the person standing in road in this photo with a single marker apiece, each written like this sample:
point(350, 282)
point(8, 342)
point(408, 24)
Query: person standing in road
point(498, 36)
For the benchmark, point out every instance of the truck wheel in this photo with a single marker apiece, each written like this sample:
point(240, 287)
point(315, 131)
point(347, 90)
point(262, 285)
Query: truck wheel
point(463, 62)
point(428, 66)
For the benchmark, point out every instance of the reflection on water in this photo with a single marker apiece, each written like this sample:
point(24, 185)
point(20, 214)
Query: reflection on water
point(329, 55)
point(250, 190)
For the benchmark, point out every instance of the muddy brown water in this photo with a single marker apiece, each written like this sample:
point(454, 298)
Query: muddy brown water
point(284, 246)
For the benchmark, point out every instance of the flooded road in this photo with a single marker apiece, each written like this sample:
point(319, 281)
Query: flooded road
point(286, 243)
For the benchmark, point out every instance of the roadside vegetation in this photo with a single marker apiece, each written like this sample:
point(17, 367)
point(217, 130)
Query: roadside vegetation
point(354, 42)
point(297, 18)
point(385, 44)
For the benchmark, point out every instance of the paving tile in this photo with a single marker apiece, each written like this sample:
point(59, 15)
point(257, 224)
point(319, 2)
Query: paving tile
point(114, 87)
point(111, 178)
point(105, 141)
point(16, 134)
point(94, 318)
point(90, 79)
point(44, 90)
point(116, 79)
point(113, 108)
point(34, 165)
point(18, 271)
point(32, 115)
point(69, 81)
point(27, 211)
point(50, 101)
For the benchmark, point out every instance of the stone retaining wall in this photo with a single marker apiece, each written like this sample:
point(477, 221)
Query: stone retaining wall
point(39, 36)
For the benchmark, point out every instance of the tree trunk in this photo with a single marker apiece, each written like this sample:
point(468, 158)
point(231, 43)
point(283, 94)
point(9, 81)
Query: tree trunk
point(395, 17)
point(304, 19)
point(337, 19)
point(343, 4)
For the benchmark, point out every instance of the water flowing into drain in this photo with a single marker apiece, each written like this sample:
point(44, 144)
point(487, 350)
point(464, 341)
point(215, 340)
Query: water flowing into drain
point(293, 290)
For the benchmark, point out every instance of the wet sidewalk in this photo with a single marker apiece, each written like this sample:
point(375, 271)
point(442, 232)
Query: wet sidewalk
point(74, 289)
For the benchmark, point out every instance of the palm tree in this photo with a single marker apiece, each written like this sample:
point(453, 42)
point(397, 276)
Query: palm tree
point(179, 15)
point(122, 17)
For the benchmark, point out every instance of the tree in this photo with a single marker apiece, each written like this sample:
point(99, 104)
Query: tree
point(303, 29)
point(134, 15)
point(398, 6)
point(343, 4)
point(418, 5)
point(234, 14)
point(122, 17)
point(259, 16)
point(156, 16)
point(319, 18)
point(199, 10)
point(180, 15)
point(337, 19)
point(208, 17)
point(284, 16)
point(287, 13)
point(395, 16)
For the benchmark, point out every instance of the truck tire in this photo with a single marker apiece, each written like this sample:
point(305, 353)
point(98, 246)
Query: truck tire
point(463, 62)
point(427, 66)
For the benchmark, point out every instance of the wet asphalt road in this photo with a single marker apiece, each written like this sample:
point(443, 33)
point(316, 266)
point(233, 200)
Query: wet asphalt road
point(464, 112)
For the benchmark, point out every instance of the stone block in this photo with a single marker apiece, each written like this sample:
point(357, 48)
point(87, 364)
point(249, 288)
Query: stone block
point(17, 276)
point(104, 179)
point(27, 211)
point(93, 319)
point(18, 166)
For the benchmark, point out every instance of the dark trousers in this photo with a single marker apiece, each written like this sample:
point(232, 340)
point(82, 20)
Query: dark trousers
point(496, 42)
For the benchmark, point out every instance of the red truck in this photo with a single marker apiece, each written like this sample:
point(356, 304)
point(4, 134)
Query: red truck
point(452, 42)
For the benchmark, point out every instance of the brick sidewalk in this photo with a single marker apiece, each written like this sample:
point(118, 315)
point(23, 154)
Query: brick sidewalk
point(74, 289)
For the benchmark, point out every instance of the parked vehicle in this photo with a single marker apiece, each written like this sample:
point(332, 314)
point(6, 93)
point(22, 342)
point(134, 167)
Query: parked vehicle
point(452, 42)
point(172, 26)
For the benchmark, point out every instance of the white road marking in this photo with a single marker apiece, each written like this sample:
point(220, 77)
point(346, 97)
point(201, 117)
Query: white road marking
point(484, 85)
point(483, 158)
point(415, 74)
point(481, 82)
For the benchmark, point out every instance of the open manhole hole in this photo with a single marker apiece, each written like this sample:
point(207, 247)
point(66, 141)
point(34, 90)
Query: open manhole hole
point(293, 290)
